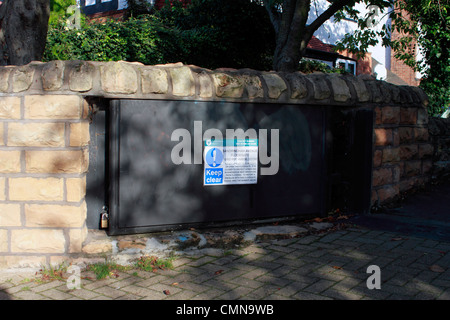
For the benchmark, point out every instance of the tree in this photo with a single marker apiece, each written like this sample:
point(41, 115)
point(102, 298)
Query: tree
point(223, 33)
point(23, 30)
point(292, 30)
point(430, 25)
point(425, 22)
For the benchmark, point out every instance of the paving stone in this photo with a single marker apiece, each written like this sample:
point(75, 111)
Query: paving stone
point(248, 283)
point(331, 266)
point(319, 286)
point(341, 295)
point(110, 292)
point(26, 295)
point(84, 294)
point(56, 294)
point(263, 292)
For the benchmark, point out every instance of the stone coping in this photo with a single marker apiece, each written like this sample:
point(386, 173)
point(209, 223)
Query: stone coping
point(176, 81)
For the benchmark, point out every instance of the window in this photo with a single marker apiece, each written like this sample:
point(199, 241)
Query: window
point(96, 6)
point(347, 65)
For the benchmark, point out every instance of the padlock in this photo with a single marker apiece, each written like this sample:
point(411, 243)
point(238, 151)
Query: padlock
point(104, 217)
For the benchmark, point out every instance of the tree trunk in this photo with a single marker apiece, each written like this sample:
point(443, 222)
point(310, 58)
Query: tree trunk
point(23, 30)
point(292, 36)
point(292, 32)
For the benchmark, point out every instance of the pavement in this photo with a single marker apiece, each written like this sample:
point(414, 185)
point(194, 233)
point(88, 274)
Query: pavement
point(402, 253)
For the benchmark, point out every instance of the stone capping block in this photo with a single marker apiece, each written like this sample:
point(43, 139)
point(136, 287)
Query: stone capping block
point(81, 76)
point(341, 92)
point(53, 75)
point(134, 80)
point(275, 85)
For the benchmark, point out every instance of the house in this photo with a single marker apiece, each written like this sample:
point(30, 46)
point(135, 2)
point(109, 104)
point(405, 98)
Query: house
point(96, 9)
point(380, 62)
point(326, 53)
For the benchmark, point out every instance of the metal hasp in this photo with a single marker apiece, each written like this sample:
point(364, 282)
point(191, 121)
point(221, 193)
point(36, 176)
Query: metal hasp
point(148, 192)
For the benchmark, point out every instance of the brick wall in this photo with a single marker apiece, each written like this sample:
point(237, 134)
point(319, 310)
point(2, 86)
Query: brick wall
point(398, 67)
point(44, 137)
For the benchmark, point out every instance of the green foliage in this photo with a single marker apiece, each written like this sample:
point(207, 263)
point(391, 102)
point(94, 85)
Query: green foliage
point(310, 66)
point(428, 23)
point(58, 11)
point(145, 40)
point(223, 33)
point(152, 263)
point(208, 33)
point(138, 8)
point(106, 270)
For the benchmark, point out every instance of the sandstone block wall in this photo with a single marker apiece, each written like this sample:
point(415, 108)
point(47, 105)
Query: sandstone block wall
point(439, 133)
point(403, 151)
point(44, 136)
point(43, 163)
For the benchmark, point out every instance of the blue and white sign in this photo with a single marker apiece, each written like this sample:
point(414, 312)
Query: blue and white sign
point(214, 157)
point(231, 162)
point(214, 176)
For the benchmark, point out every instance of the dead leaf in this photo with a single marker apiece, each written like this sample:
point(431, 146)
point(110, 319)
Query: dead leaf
point(166, 292)
point(337, 267)
point(218, 272)
point(175, 283)
point(436, 268)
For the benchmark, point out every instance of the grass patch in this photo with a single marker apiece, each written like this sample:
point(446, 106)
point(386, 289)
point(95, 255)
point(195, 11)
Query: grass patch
point(50, 273)
point(108, 269)
point(152, 263)
point(104, 270)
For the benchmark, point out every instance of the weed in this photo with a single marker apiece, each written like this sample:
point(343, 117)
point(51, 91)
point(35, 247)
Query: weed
point(152, 263)
point(108, 269)
point(51, 273)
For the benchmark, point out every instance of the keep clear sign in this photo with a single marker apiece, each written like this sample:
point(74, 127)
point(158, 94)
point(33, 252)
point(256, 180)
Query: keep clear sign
point(231, 162)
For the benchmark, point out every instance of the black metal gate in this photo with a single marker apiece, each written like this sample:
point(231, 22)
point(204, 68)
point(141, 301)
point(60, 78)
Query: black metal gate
point(148, 192)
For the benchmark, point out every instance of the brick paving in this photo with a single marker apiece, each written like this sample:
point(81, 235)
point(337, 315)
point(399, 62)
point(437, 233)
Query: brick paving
point(328, 266)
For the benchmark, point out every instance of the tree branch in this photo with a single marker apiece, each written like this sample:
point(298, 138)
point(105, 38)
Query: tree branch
point(274, 15)
point(327, 14)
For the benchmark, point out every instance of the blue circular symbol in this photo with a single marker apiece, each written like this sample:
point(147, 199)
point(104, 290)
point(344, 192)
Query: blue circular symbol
point(214, 157)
